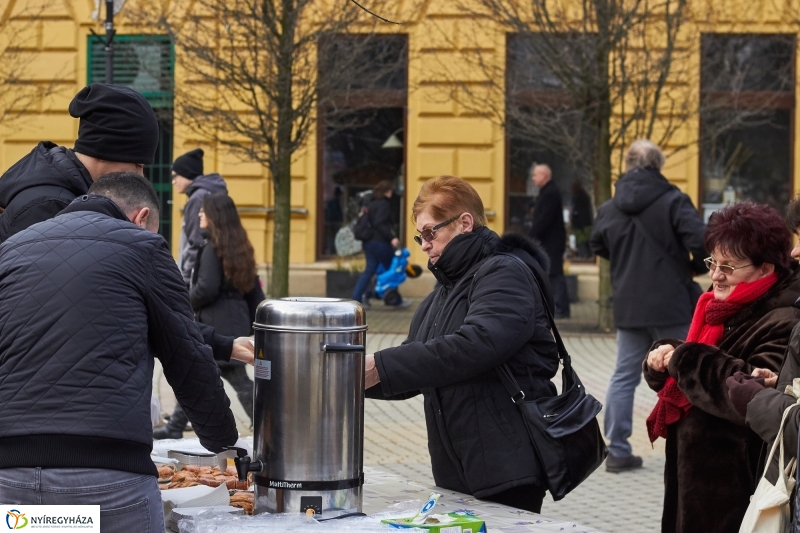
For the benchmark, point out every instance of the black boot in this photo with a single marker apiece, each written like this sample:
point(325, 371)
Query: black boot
point(175, 426)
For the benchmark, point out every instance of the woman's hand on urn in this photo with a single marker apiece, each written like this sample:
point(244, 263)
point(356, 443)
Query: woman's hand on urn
point(243, 350)
point(659, 358)
point(770, 377)
point(371, 376)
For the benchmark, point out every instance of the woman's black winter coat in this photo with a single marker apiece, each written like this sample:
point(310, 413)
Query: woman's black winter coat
point(215, 300)
point(484, 311)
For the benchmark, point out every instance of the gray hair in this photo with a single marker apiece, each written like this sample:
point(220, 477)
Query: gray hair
point(128, 190)
point(644, 154)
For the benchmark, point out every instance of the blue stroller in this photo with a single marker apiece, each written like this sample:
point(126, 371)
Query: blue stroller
point(387, 280)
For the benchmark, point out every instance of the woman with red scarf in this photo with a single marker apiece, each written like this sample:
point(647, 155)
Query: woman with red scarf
point(742, 324)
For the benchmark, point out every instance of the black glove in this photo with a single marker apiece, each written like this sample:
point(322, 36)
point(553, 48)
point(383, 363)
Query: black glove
point(741, 389)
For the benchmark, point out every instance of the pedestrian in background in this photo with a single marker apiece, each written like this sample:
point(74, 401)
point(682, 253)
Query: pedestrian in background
point(222, 284)
point(118, 131)
point(379, 247)
point(188, 179)
point(581, 219)
point(648, 231)
point(547, 227)
point(742, 324)
point(485, 310)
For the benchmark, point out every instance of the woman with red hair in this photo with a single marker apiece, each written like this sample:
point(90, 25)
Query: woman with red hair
point(742, 324)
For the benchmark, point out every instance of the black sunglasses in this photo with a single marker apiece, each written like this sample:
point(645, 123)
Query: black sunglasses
point(429, 234)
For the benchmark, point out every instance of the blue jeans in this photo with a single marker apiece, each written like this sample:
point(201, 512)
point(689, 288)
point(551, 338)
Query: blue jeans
point(632, 347)
point(377, 253)
point(128, 502)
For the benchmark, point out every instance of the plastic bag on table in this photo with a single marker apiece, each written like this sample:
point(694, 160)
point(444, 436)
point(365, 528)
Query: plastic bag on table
point(298, 523)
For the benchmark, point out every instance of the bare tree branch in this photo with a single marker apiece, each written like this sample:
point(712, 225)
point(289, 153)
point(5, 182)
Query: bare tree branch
point(259, 72)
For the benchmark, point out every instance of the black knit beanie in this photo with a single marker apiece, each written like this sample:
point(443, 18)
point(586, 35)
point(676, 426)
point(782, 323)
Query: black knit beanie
point(190, 164)
point(116, 124)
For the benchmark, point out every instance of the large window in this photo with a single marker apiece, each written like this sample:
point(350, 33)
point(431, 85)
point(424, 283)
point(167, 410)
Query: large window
point(747, 112)
point(544, 127)
point(362, 88)
point(146, 63)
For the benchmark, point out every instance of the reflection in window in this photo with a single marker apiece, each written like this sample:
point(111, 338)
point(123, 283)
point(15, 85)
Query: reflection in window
point(746, 119)
point(354, 161)
point(542, 126)
point(362, 101)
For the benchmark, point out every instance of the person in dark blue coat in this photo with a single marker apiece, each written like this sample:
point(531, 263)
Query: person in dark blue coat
point(88, 301)
point(485, 310)
point(379, 246)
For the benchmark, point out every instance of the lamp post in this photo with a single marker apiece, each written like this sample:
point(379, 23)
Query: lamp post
point(109, 41)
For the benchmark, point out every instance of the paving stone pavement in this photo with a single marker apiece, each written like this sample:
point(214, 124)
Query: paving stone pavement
point(396, 438)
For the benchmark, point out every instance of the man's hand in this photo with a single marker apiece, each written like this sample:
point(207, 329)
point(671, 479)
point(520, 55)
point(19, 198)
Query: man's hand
point(371, 376)
point(243, 350)
point(395, 243)
point(770, 377)
point(659, 358)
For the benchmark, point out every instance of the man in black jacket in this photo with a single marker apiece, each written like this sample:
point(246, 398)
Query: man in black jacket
point(118, 131)
point(653, 236)
point(547, 227)
point(87, 301)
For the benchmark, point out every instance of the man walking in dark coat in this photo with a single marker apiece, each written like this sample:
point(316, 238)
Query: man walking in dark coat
point(188, 179)
point(118, 131)
point(88, 300)
point(548, 228)
point(653, 236)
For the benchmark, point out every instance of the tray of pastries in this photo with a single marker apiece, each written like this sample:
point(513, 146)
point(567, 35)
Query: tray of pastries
point(191, 475)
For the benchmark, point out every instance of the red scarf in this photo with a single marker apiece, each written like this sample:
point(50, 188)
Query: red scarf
point(708, 326)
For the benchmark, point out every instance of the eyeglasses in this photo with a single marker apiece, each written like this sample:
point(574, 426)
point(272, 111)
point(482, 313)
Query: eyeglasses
point(429, 234)
point(725, 269)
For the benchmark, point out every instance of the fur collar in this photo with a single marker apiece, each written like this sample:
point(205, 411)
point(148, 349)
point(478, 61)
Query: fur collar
point(511, 241)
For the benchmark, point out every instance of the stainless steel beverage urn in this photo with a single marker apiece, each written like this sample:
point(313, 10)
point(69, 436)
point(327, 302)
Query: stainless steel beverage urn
point(309, 406)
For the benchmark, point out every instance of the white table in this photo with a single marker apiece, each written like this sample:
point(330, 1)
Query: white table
point(382, 489)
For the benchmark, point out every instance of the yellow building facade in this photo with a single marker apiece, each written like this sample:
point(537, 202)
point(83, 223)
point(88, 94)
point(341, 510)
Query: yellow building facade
point(439, 135)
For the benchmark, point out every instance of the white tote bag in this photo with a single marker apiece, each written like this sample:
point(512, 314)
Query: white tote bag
point(769, 510)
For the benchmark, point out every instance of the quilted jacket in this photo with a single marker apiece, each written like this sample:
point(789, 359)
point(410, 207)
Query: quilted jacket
point(40, 185)
point(87, 301)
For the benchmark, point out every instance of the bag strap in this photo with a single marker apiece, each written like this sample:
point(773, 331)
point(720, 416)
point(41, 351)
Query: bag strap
point(649, 238)
point(504, 372)
point(779, 444)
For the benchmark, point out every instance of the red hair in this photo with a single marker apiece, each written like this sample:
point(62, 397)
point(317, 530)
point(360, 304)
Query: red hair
point(446, 197)
point(751, 231)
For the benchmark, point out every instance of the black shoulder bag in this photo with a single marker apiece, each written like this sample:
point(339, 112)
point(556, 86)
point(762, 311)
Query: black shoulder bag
point(563, 429)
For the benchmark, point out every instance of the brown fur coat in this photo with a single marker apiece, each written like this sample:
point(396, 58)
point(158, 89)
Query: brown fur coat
point(712, 457)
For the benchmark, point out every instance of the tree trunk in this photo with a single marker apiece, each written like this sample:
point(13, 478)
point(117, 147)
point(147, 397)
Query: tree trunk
point(282, 218)
point(605, 311)
point(282, 156)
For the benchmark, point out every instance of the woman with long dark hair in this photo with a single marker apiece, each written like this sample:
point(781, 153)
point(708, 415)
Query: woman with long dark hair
point(222, 293)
